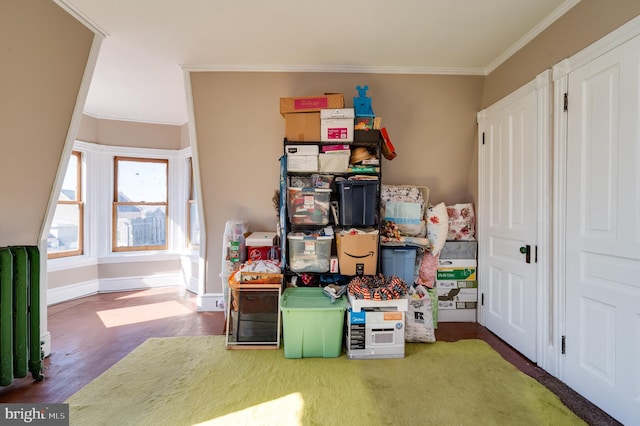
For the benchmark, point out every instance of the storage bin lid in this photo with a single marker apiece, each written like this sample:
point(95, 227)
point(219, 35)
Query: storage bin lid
point(309, 189)
point(300, 236)
point(310, 298)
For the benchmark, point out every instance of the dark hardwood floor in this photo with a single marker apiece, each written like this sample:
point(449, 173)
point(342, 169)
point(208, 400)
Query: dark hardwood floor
point(91, 334)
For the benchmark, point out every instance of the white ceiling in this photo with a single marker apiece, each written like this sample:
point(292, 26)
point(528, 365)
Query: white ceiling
point(139, 74)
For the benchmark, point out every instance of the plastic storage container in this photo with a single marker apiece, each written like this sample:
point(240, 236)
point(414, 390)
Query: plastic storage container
point(357, 202)
point(312, 326)
point(400, 262)
point(309, 253)
point(309, 206)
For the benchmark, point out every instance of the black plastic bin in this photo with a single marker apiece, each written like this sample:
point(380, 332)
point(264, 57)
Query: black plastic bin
point(358, 202)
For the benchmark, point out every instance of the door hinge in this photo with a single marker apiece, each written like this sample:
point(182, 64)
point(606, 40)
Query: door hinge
point(481, 299)
point(482, 138)
point(566, 102)
point(564, 345)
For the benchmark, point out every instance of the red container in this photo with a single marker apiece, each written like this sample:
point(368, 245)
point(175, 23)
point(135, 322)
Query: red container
point(263, 253)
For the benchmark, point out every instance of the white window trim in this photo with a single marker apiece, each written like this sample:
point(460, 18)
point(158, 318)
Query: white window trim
point(98, 180)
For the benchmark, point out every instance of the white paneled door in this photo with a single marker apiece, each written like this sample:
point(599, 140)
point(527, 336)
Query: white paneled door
point(602, 225)
point(508, 220)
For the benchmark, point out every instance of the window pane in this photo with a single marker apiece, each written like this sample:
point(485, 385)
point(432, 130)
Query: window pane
point(141, 226)
point(69, 191)
point(65, 229)
point(142, 181)
point(194, 225)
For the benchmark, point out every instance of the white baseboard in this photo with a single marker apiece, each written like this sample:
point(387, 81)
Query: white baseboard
point(73, 291)
point(210, 302)
point(137, 283)
point(104, 285)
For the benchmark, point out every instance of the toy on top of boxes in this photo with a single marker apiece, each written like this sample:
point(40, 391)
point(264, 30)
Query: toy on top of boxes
point(324, 118)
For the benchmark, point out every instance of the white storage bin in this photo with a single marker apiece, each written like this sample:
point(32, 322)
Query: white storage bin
point(309, 253)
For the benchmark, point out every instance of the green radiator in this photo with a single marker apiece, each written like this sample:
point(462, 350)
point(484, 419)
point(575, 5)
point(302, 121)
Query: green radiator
point(20, 346)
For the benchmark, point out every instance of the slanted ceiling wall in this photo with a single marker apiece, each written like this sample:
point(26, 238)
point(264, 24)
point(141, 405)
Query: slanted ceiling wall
point(43, 54)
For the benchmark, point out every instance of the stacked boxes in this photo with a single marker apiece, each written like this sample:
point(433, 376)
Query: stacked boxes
point(302, 115)
point(456, 282)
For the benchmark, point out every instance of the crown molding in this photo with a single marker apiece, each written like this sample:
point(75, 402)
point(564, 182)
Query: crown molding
point(73, 11)
point(542, 25)
point(333, 69)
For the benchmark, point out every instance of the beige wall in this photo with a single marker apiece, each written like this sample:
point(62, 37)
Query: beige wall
point(43, 55)
point(56, 279)
point(431, 121)
point(131, 133)
point(134, 269)
point(585, 23)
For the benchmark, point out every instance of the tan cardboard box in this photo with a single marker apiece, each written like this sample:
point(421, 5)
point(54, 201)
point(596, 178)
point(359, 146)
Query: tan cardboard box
point(357, 253)
point(311, 103)
point(302, 126)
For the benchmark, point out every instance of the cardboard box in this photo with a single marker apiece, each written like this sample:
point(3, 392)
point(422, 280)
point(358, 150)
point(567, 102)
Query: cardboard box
point(456, 270)
point(260, 278)
point(311, 103)
point(456, 284)
point(333, 265)
point(302, 149)
point(337, 149)
point(459, 249)
point(457, 294)
point(334, 163)
point(261, 239)
point(302, 127)
point(263, 252)
point(357, 253)
point(336, 125)
point(302, 163)
point(457, 315)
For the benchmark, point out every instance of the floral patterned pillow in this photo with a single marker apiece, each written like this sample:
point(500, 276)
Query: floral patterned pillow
point(462, 222)
point(437, 227)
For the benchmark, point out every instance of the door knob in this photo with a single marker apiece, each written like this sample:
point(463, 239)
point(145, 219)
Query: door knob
point(526, 250)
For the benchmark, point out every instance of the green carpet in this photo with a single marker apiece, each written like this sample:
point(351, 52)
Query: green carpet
point(192, 380)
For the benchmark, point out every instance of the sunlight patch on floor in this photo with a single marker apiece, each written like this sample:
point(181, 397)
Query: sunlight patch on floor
point(142, 313)
point(150, 292)
point(282, 411)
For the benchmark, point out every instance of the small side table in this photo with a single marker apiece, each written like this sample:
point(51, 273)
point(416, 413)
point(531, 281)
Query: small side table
point(253, 316)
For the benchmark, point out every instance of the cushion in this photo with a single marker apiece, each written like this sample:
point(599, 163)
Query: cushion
point(427, 269)
point(404, 207)
point(437, 226)
point(462, 222)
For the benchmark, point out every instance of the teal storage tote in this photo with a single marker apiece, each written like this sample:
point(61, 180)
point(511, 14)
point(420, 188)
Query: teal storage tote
point(311, 324)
